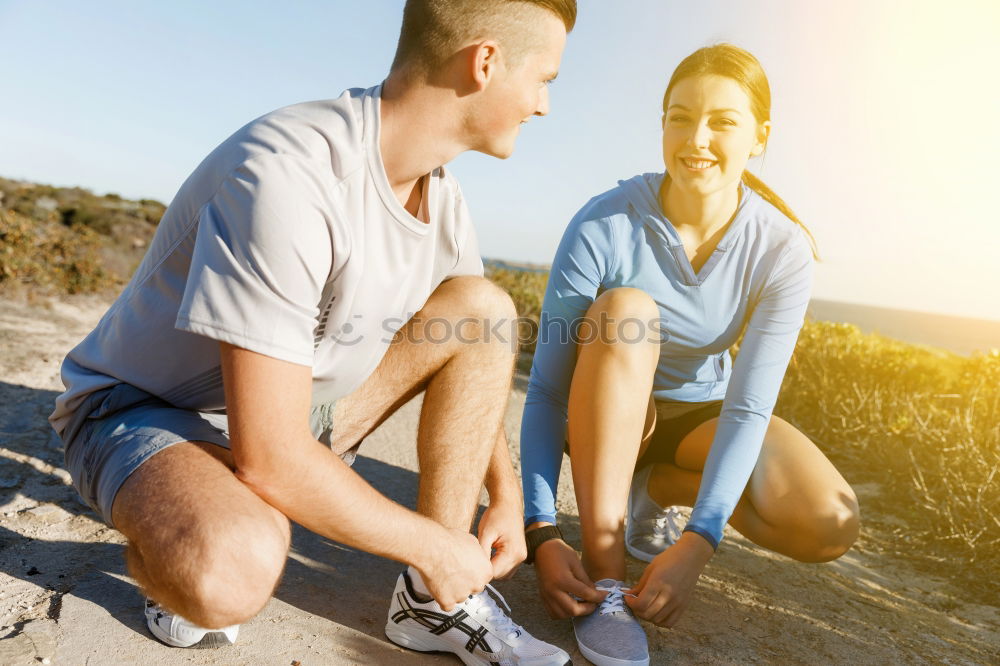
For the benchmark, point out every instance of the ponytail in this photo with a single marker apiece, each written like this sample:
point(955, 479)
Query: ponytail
point(766, 193)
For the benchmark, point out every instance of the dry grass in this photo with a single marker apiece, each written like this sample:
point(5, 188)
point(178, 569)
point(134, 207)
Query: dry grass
point(923, 424)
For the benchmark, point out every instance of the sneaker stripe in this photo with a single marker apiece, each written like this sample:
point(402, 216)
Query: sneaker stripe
point(419, 615)
point(444, 623)
point(476, 630)
point(478, 639)
point(452, 621)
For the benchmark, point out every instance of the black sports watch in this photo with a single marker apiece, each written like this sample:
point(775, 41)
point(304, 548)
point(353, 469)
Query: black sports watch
point(536, 537)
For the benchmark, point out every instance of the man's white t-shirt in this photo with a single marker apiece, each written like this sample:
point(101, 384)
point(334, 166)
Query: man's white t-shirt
point(287, 240)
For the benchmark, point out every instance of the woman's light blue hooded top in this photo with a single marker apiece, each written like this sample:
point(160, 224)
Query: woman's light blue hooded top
point(759, 276)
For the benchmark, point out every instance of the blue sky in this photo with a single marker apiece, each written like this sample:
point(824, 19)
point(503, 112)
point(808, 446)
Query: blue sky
point(885, 138)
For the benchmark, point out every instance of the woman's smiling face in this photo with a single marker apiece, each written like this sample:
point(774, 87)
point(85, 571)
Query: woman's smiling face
point(709, 134)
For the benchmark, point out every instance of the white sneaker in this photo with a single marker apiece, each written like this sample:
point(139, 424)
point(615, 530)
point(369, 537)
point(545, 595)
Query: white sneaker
point(175, 631)
point(650, 529)
point(477, 631)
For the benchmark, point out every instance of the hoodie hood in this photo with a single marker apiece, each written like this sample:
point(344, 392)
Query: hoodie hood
point(643, 195)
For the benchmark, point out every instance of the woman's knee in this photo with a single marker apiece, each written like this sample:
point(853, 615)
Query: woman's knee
point(622, 320)
point(833, 530)
point(625, 302)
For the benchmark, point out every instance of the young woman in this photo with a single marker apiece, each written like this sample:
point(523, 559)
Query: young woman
point(654, 281)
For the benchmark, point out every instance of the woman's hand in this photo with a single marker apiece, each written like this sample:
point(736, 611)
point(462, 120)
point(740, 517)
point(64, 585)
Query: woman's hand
point(561, 578)
point(664, 591)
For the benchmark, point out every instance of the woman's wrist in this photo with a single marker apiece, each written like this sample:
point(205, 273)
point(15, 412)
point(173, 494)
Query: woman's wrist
point(537, 534)
point(696, 545)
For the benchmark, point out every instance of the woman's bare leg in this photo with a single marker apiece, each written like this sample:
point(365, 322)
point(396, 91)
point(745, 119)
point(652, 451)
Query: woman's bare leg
point(608, 407)
point(796, 502)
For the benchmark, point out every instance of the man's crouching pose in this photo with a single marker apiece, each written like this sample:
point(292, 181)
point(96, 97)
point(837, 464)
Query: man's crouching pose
point(198, 417)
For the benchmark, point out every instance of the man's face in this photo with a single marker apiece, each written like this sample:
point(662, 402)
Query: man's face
point(517, 93)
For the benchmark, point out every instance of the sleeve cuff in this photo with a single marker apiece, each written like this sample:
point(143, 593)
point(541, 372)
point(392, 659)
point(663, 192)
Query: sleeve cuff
point(540, 518)
point(710, 538)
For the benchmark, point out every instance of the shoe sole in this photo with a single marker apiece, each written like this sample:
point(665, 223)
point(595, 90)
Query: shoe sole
point(603, 659)
point(212, 639)
point(425, 642)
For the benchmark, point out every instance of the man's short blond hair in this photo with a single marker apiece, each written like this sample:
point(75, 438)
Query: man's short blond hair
point(434, 30)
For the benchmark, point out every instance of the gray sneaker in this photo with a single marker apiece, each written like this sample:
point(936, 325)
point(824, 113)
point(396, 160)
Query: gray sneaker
point(611, 636)
point(650, 528)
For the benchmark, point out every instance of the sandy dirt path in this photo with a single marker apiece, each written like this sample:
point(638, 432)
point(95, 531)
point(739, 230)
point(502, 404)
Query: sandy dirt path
point(65, 596)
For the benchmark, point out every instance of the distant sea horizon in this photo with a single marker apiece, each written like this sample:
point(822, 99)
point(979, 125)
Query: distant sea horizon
point(961, 335)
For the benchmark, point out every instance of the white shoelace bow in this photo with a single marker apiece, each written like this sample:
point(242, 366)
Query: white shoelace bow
point(615, 601)
point(667, 524)
point(484, 609)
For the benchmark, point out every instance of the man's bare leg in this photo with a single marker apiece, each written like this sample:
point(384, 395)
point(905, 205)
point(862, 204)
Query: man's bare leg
point(207, 548)
point(467, 379)
point(200, 542)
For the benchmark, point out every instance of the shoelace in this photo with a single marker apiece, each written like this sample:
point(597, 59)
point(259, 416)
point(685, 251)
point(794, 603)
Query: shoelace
point(615, 601)
point(484, 608)
point(666, 524)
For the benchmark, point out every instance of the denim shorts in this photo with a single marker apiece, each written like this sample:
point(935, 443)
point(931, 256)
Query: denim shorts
point(117, 429)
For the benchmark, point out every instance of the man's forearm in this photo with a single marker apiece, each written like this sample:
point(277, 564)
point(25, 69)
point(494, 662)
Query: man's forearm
point(313, 487)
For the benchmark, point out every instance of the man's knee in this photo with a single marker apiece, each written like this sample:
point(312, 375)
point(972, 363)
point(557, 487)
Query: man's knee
point(474, 297)
point(224, 570)
point(470, 310)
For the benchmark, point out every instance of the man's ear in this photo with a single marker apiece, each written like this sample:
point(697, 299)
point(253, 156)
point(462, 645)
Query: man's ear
point(763, 133)
point(485, 62)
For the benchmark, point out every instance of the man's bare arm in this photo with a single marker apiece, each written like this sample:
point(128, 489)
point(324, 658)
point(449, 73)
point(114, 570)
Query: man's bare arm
point(278, 458)
point(501, 527)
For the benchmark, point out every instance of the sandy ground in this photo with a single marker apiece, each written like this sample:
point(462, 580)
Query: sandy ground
point(65, 596)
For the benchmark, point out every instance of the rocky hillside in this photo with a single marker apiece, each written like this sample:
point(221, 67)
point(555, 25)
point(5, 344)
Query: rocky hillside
point(69, 240)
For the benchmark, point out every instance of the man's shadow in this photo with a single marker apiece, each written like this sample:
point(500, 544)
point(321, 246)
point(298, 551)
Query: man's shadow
point(340, 583)
point(322, 577)
point(35, 497)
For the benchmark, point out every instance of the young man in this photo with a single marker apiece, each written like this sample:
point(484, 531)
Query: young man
point(196, 413)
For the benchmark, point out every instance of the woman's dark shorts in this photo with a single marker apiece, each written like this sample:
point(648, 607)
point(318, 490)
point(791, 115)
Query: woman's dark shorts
point(670, 430)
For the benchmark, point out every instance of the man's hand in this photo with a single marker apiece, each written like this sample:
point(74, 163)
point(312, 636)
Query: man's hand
point(456, 568)
point(664, 590)
point(501, 532)
point(562, 580)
